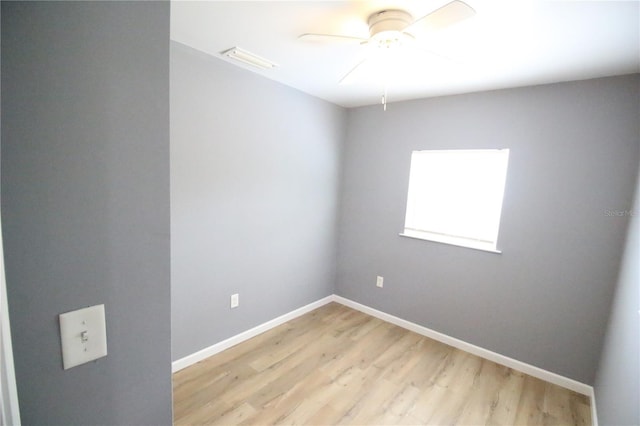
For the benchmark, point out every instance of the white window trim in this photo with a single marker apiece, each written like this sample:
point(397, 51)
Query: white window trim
point(453, 241)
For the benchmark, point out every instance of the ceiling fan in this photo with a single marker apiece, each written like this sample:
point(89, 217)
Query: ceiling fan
point(394, 28)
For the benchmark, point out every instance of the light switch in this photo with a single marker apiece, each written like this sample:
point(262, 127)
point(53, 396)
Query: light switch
point(84, 336)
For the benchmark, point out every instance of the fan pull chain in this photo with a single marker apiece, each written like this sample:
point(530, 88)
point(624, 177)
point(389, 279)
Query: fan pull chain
point(384, 99)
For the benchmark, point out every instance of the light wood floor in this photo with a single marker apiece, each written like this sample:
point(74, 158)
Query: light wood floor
point(336, 365)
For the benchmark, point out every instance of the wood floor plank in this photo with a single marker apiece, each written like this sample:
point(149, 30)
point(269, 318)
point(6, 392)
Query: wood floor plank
point(530, 409)
point(505, 408)
point(404, 400)
point(566, 407)
point(335, 365)
point(295, 403)
point(235, 415)
point(203, 391)
point(483, 398)
point(326, 415)
point(310, 358)
point(375, 403)
point(438, 405)
point(201, 414)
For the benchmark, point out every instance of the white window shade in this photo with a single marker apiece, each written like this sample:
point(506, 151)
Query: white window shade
point(456, 196)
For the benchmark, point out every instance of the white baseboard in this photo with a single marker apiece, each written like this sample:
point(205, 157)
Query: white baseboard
point(424, 331)
point(473, 349)
point(188, 360)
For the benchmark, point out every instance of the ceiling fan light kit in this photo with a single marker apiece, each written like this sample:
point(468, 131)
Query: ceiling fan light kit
point(248, 58)
point(386, 28)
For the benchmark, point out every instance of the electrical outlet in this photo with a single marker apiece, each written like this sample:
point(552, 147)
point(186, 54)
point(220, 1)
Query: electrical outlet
point(235, 300)
point(380, 281)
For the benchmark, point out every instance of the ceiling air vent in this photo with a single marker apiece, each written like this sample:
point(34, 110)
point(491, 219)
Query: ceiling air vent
point(248, 58)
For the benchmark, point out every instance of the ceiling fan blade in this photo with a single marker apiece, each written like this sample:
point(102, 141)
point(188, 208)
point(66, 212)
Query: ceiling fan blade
point(348, 76)
point(331, 37)
point(449, 14)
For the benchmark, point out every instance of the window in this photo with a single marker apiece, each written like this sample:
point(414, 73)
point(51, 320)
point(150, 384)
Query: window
point(455, 196)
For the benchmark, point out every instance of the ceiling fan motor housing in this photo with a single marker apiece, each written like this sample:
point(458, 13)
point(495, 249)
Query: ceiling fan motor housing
point(386, 26)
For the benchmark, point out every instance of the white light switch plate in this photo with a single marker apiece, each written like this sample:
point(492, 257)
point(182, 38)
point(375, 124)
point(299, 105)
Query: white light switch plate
point(84, 336)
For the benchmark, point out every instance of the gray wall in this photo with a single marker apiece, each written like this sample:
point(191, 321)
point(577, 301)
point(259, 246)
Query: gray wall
point(545, 299)
point(254, 192)
point(617, 386)
point(85, 204)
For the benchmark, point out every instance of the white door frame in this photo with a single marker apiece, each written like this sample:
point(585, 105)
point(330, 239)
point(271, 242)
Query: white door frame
point(9, 409)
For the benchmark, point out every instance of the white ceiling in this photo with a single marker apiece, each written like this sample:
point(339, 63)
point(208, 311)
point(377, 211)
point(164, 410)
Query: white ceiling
point(506, 44)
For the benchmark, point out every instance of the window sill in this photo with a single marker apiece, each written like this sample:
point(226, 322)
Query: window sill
point(442, 239)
